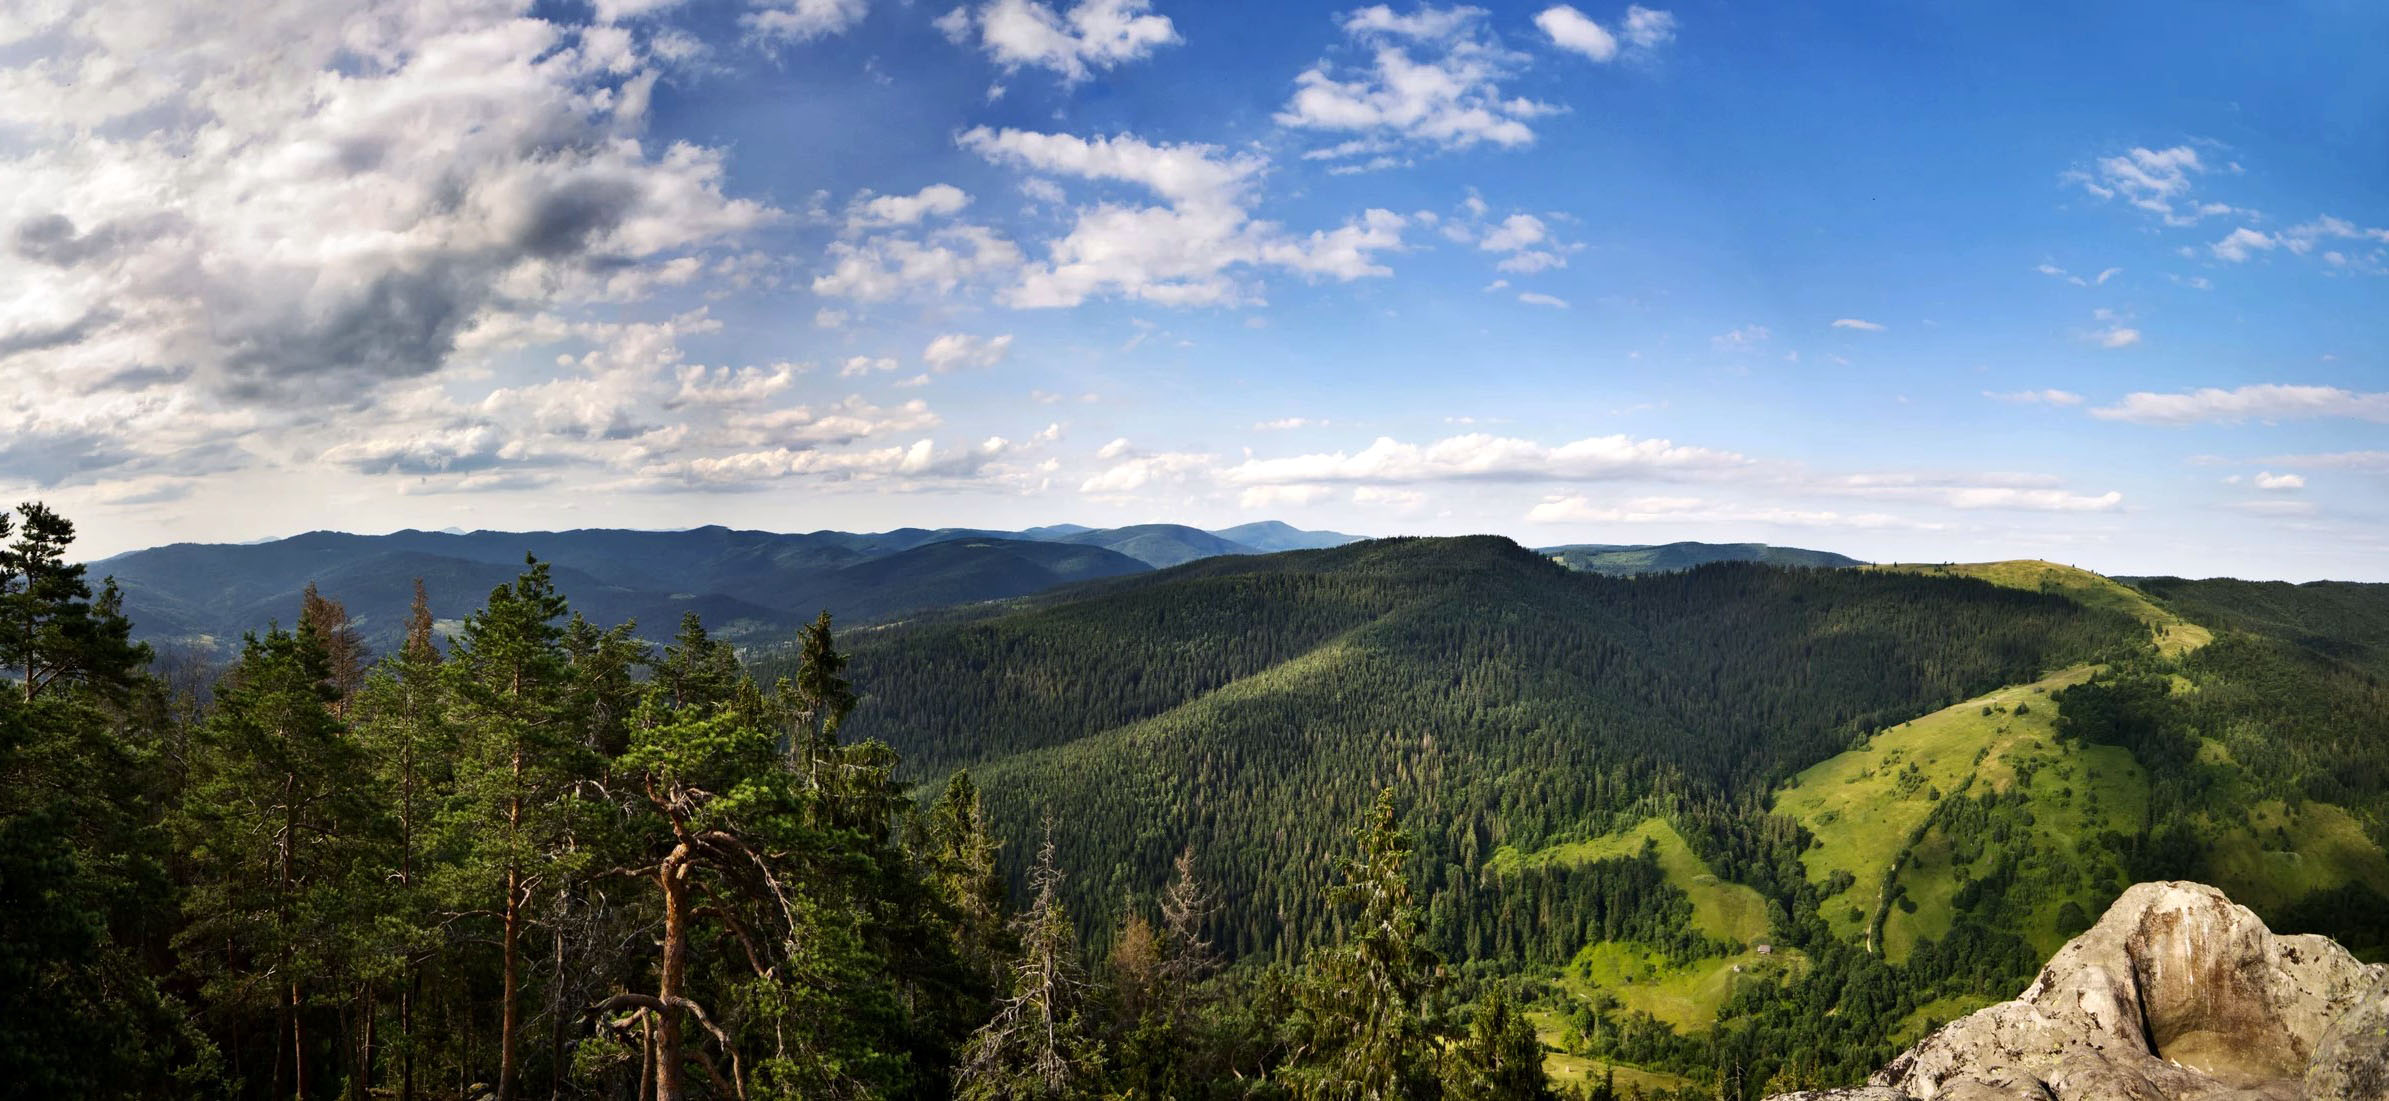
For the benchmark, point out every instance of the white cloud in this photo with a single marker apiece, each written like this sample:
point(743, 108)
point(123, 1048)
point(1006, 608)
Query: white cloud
point(237, 221)
point(2371, 462)
point(2154, 180)
point(1648, 29)
point(942, 200)
point(1569, 29)
point(1743, 337)
point(1196, 249)
point(1514, 233)
point(1537, 298)
point(802, 20)
point(1855, 323)
point(2041, 397)
point(1580, 509)
point(957, 351)
point(858, 366)
point(1434, 79)
point(2264, 402)
point(1265, 497)
point(1132, 471)
point(1092, 35)
point(2242, 243)
point(1482, 457)
point(1572, 30)
point(2278, 482)
point(880, 268)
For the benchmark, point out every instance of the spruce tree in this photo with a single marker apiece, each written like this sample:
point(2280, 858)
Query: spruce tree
point(1500, 1059)
point(1371, 1003)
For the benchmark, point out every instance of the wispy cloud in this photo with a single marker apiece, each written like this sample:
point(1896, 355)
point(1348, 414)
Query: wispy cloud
point(2263, 402)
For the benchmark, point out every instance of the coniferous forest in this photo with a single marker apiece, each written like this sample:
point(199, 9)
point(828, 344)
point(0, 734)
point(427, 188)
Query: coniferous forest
point(1255, 827)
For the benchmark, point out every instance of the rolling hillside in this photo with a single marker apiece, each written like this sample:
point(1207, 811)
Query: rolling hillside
point(1249, 705)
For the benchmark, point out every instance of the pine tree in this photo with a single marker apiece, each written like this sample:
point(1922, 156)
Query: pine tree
point(720, 798)
point(1370, 1004)
point(344, 650)
point(517, 764)
point(84, 897)
point(1039, 1044)
point(51, 629)
point(698, 671)
point(402, 726)
point(274, 823)
point(1501, 1059)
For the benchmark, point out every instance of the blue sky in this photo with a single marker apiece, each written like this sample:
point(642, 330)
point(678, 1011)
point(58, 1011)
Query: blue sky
point(1937, 282)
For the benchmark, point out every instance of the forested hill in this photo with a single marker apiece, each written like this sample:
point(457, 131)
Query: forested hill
point(748, 586)
point(1251, 706)
point(1625, 560)
point(2347, 620)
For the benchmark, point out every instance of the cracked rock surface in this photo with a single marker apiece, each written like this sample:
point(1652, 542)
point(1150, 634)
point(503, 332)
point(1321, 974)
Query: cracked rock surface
point(2177, 994)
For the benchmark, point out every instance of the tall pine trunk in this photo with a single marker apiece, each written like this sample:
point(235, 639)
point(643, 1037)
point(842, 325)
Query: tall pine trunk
point(675, 974)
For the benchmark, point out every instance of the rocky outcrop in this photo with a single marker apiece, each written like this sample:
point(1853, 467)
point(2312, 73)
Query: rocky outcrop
point(2176, 994)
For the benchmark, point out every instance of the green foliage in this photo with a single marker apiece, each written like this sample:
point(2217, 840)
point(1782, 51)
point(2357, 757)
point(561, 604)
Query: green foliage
point(1500, 1059)
point(1370, 1006)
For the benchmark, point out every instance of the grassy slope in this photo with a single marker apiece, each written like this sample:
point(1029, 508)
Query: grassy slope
point(2173, 634)
point(2325, 847)
point(1868, 809)
point(1728, 911)
point(1576, 1070)
point(1863, 824)
point(1685, 997)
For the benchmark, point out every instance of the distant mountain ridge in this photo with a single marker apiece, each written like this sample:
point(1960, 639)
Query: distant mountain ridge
point(1628, 559)
point(748, 585)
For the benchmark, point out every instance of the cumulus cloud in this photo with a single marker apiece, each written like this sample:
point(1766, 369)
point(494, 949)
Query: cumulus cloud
point(887, 266)
point(1572, 30)
point(942, 200)
point(248, 223)
point(2262, 402)
point(1092, 35)
point(1855, 323)
point(1198, 247)
point(960, 351)
point(801, 20)
point(2242, 243)
point(2271, 481)
point(1130, 470)
point(1434, 78)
